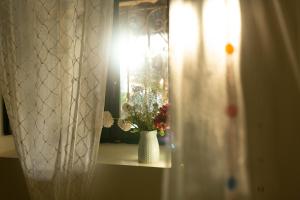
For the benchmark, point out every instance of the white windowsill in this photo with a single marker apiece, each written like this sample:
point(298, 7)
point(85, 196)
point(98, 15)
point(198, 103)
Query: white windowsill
point(126, 154)
point(113, 154)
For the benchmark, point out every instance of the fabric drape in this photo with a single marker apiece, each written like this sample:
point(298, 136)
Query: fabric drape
point(209, 159)
point(53, 62)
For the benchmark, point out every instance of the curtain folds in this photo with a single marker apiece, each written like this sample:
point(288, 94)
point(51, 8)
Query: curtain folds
point(53, 59)
point(209, 160)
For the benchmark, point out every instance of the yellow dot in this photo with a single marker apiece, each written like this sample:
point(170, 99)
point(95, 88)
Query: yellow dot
point(229, 48)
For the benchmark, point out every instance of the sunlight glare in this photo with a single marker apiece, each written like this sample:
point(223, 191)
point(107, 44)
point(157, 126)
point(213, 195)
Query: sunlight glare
point(132, 52)
point(222, 23)
point(184, 30)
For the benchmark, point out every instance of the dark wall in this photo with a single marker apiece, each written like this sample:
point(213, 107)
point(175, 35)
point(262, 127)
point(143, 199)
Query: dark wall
point(12, 182)
point(114, 182)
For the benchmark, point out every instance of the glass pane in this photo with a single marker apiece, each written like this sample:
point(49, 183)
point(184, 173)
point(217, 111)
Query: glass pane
point(143, 54)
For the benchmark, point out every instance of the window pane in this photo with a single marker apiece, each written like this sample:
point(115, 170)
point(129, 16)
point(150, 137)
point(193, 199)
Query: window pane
point(143, 54)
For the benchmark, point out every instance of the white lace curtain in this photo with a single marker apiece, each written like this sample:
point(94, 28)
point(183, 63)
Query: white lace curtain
point(207, 119)
point(53, 59)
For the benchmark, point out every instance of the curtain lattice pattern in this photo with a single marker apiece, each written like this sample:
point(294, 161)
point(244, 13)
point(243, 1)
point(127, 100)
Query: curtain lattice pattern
point(53, 59)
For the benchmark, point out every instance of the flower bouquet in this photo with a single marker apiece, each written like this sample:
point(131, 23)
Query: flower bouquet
point(138, 118)
point(146, 120)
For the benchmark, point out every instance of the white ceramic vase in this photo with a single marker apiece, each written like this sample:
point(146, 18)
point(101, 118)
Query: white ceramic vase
point(148, 151)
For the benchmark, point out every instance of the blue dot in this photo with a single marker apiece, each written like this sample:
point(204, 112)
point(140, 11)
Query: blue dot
point(231, 183)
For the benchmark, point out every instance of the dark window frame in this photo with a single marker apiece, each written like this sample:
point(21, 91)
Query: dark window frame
point(5, 120)
point(112, 96)
point(113, 92)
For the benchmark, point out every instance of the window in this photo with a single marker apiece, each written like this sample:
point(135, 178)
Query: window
point(5, 127)
point(139, 64)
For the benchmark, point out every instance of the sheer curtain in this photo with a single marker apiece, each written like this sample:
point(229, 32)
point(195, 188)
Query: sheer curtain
point(53, 59)
point(207, 119)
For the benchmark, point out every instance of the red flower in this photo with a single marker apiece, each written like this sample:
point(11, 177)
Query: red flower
point(160, 121)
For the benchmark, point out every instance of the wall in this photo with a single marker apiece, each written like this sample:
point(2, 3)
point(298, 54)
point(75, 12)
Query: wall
point(12, 182)
point(113, 182)
point(129, 183)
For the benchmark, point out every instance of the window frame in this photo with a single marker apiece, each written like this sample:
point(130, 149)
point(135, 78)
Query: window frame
point(5, 121)
point(113, 94)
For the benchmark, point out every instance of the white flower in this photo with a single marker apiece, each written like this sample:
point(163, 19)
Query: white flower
point(126, 107)
point(124, 125)
point(108, 120)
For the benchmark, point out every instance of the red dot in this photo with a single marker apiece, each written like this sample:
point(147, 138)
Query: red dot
point(232, 111)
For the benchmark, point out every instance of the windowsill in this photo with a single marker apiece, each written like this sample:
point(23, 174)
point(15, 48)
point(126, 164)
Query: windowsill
point(112, 154)
point(127, 154)
point(7, 147)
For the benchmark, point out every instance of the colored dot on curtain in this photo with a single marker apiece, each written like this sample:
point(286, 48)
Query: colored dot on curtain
point(231, 183)
point(232, 111)
point(229, 48)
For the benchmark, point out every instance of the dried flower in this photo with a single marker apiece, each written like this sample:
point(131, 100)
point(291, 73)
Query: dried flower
point(108, 120)
point(124, 124)
point(155, 105)
point(126, 107)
